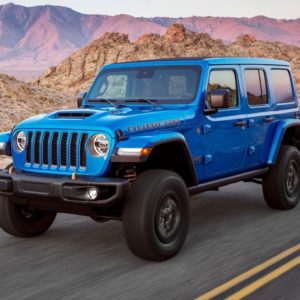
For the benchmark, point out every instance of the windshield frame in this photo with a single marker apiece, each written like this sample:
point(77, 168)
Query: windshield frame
point(130, 101)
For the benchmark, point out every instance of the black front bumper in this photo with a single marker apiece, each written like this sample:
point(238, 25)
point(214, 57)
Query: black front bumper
point(111, 191)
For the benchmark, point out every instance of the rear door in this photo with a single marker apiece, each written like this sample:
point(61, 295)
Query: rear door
point(269, 96)
point(259, 110)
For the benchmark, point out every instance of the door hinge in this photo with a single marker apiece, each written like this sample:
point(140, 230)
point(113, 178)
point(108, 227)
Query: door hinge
point(206, 128)
point(251, 123)
point(251, 150)
point(207, 159)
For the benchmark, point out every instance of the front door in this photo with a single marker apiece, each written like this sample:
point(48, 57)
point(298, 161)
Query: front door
point(223, 144)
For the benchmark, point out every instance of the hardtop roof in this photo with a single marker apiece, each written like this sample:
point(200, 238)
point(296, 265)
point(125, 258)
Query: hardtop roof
point(215, 61)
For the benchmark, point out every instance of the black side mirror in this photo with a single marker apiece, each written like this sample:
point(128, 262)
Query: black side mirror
point(80, 98)
point(220, 98)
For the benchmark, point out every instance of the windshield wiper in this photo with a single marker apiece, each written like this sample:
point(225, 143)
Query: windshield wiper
point(111, 102)
point(143, 100)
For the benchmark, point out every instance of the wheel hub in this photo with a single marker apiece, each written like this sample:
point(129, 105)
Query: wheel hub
point(291, 178)
point(28, 212)
point(168, 218)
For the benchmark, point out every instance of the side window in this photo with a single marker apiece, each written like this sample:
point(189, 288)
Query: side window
point(256, 87)
point(282, 86)
point(222, 79)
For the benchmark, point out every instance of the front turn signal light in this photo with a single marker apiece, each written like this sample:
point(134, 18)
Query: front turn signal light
point(134, 151)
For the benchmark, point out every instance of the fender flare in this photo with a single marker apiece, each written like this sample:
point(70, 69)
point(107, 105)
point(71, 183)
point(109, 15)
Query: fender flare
point(279, 134)
point(5, 144)
point(152, 141)
point(5, 137)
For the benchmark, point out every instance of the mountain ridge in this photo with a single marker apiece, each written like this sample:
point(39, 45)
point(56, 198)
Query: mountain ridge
point(34, 38)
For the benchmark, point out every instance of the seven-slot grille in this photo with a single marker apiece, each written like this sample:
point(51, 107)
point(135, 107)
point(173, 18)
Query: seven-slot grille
point(56, 149)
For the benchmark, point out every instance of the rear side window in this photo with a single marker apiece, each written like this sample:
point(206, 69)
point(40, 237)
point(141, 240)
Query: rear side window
point(256, 87)
point(282, 86)
point(222, 79)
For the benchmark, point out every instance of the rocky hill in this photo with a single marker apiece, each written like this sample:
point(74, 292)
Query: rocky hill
point(19, 100)
point(77, 71)
point(34, 38)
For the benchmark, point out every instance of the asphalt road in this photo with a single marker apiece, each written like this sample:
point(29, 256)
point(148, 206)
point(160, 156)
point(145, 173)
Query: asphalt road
point(231, 231)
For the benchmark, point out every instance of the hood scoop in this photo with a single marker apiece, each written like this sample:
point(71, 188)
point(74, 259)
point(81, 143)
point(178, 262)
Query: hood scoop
point(73, 115)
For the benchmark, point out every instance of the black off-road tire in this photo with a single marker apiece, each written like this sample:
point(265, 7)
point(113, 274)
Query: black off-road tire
point(22, 221)
point(281, 186)
point(156, 215)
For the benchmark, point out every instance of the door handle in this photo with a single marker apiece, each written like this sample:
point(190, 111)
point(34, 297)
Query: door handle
point(268, 119)
point(240, 124)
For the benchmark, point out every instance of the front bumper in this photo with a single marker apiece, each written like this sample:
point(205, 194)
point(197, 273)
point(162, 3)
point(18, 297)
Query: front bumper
point(111, 191)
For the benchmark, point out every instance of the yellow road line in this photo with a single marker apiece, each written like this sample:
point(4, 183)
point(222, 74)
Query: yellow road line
point(233, 282)
point(264, 280)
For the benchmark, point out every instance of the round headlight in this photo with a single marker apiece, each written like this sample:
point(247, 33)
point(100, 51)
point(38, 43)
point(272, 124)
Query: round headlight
point(98, 145)
point(20, 141)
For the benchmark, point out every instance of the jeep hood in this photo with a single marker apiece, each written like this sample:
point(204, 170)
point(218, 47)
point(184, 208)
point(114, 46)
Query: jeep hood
point(128, 119)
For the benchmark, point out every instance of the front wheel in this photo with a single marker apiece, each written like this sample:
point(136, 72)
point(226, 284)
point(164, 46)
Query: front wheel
point(156, 215)
point(281, 187)
point(23, 221)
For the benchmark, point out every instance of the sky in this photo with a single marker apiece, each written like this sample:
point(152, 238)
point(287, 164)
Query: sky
point(282, 9)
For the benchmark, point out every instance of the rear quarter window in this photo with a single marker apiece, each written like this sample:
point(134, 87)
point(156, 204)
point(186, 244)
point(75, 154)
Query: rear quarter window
point(282, 86)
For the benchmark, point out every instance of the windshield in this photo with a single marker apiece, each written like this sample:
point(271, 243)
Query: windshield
point(174, 84)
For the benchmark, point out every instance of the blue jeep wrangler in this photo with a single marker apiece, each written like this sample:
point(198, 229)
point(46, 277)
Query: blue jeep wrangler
point(145, 137)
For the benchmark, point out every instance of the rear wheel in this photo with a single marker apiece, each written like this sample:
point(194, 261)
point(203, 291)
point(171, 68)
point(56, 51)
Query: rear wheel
point(156, 215)
point(23, 221)
point(281, 187)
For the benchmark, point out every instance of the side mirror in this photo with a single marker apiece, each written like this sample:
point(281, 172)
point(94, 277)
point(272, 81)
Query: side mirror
point(80, 98)
point(220, 98)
